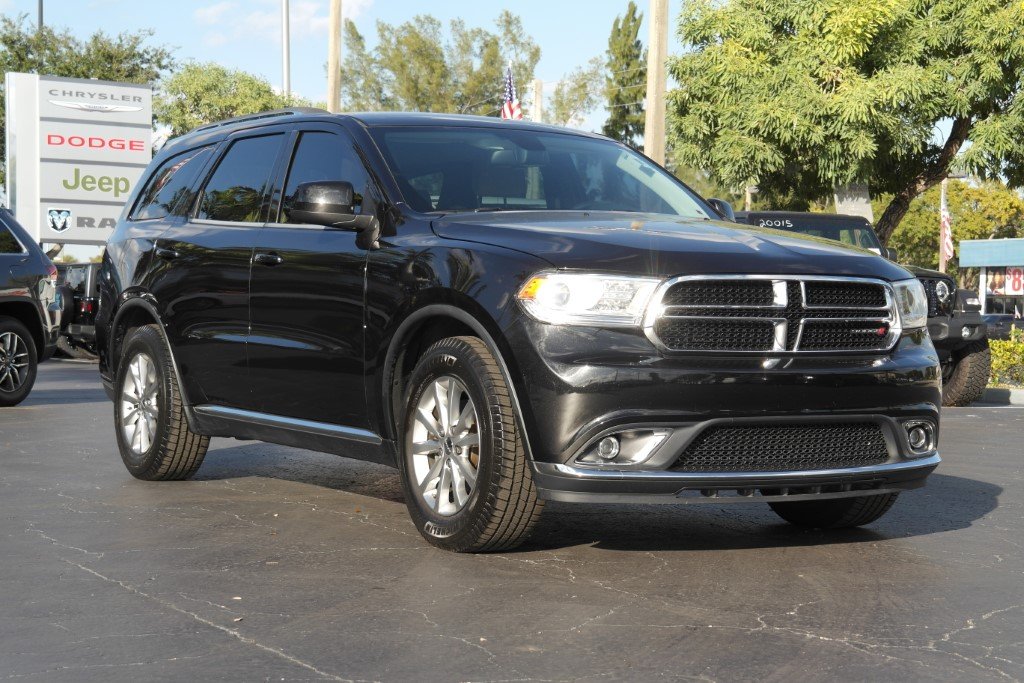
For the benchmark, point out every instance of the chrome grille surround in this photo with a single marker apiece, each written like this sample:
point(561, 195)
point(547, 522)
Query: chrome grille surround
point(783, 313)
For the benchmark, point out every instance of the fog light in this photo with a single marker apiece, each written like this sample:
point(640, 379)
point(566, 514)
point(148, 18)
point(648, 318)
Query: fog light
point(608, 448)
point(628, 447)
point(966, 331)
point(920, 436)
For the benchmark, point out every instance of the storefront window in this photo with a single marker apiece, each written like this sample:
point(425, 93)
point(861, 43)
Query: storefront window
point(1004, 290)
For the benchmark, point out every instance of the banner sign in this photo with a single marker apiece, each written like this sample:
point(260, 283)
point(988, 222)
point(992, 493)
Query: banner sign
point(75, 149)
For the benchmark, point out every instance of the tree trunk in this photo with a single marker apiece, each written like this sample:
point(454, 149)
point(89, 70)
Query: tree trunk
point(929, 177)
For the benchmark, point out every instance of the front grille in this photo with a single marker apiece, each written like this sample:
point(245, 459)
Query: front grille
point(708, 335)
point(777, 448)
point(773, 315)
point(935, 306)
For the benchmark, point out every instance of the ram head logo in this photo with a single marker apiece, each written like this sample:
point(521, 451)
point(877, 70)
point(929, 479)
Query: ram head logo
point(59, 219)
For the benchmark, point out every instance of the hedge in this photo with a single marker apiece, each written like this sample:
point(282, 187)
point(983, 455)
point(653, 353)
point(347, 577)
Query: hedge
point(1008, 359)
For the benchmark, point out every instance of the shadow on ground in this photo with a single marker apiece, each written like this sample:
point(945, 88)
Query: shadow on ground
point(630, 527)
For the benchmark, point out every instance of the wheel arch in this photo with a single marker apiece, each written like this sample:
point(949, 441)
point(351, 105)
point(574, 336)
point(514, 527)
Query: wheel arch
point(27, 314)
point(420, 329)
point(136, 311)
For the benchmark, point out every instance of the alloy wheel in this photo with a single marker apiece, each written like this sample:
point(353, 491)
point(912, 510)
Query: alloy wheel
point(140, 403)
point(14, 361)
point(444, 444)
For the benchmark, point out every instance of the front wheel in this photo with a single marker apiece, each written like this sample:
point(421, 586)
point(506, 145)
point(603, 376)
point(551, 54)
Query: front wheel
point(468, 485)
point(18, 362)
point(837, 513)
point(965, 375)
point(152, 431)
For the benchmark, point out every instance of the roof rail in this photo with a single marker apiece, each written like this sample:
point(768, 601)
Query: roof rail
point(291, 111)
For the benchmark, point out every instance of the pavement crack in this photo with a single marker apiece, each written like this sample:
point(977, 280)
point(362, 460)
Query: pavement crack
point(234, 633)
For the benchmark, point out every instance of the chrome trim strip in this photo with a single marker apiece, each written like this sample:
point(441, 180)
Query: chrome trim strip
point(739, 477)
point(295, 424)
point(656, 311)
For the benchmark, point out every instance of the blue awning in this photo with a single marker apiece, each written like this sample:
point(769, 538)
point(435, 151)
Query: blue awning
point(1004, 252)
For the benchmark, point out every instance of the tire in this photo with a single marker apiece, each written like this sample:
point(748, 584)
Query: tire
point(968, 378)
point(838, 513)
point(74, 352)
point(500, 508)
point(171, 451)
point(18, 362)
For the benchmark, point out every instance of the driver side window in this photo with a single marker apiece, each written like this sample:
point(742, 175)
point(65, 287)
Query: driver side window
point(320, 155)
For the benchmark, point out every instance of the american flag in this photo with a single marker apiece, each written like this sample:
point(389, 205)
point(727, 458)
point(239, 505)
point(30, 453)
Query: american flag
point(510, 108)
point(945, 232)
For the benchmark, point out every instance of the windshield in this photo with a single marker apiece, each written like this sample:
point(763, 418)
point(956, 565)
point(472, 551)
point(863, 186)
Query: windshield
point(848, 233)
point(487, 169)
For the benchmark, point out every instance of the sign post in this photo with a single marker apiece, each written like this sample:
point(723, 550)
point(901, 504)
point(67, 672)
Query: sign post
point(75, 149)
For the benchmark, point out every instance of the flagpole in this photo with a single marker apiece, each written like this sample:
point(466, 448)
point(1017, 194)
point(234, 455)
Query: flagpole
point(943, 212)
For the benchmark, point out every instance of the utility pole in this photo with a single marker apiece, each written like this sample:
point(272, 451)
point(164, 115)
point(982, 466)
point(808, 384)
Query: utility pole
point(39, 23)
point(538, 100)
point(657, 55)
point(286, 49)
point(334, 59)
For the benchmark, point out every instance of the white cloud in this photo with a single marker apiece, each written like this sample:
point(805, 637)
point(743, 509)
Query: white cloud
point(307, 18)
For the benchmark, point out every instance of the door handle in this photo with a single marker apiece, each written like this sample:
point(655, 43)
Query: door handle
point(267, 258)
point(165, 253)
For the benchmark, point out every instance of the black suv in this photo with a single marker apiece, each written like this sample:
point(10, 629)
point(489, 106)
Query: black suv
point(510, 313)
point(29, 310)
point(955, 323)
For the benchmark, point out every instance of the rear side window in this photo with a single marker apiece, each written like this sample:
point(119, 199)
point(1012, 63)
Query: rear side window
point(170, 187)
point(237, 188)
point(8, 242)
point(324, 156)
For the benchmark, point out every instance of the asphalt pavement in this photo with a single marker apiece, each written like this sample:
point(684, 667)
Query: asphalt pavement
point(276, 563)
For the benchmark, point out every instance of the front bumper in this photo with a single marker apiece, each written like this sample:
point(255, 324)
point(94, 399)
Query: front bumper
point(578, 384)
point(947, 332)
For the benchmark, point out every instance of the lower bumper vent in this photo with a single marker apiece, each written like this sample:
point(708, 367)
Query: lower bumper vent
point(777, 448)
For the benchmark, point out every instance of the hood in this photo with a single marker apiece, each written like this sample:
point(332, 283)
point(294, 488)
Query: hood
point(929, 273)
point(662, 246)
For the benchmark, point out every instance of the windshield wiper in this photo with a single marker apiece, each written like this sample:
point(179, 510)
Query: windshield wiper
point(484, 209)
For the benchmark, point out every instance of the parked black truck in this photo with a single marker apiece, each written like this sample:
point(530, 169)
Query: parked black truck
point(29, 310)
point(954, 315)
point(77, 284)
point(509, 313)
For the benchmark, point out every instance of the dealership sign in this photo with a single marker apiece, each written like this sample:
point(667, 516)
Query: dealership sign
point(75, 149)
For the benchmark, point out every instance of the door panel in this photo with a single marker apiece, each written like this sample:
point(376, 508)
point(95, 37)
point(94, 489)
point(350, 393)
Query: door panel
point(203, 273)
point(306, 340)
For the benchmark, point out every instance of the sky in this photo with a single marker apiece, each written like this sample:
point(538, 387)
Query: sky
point(246, 34)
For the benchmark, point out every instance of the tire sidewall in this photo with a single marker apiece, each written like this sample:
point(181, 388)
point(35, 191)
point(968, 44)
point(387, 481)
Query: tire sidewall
point(144, 340)
point(451, 358)
point(13, 398)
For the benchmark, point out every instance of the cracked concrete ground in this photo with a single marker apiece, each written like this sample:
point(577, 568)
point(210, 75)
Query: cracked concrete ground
point(281, 564)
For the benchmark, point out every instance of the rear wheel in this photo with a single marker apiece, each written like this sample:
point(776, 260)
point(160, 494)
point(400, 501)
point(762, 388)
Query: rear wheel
point(837, 513)
point(152, 431)
point(18, 362)
point(468, 485)
point(965, 375)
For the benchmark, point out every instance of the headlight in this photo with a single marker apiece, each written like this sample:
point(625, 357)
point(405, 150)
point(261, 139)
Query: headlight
point(912, 303)
point(587, 298)
point(943, 291)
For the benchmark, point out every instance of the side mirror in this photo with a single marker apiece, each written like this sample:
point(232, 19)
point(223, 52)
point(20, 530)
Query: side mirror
point(890, 253)
point(723, 208)
point(324, 203)
point(52, 252)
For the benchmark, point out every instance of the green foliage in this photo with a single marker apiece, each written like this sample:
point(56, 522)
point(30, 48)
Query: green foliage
point(979, 211)
point(626, 80)
point(800, 95)
point(57, 52)
point(418, 66)
point(1008, 359)
point(203, 93)
point(576, 94)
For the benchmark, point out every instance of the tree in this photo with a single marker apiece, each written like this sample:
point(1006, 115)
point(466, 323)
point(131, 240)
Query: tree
point(626, 80)
point(57, 52)
point(799, 96)
point(576, 94)
point(419, 66)
point(203, 93)
point(979, 211)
